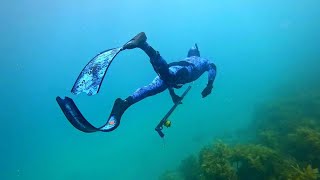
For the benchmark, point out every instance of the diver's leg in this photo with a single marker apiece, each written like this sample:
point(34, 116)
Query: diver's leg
point(119, 107)
point(157, 86)
point(160, 66)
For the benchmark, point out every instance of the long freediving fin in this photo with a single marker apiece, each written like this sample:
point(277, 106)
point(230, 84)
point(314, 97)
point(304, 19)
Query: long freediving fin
point(91, 76)
point(74, 115)
point(159, 127)
point(89, 81)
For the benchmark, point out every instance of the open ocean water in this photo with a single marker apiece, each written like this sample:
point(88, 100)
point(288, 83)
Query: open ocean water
point(259, 48)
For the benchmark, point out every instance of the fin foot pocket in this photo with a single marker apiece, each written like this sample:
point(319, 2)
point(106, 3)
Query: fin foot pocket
point(136, 41)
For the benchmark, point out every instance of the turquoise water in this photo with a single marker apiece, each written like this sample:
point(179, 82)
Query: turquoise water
point(259, 47)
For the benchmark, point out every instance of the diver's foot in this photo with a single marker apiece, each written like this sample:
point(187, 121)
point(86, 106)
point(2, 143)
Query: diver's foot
point(135, 42)
point(118, 108)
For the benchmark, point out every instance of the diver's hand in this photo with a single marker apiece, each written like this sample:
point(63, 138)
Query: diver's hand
point(206, 91)
point(176, 99)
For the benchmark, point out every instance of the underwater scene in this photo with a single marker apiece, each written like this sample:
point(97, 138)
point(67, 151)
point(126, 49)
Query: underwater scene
point(204, 90)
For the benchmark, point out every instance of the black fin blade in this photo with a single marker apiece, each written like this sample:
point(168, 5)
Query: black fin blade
point(74, 115)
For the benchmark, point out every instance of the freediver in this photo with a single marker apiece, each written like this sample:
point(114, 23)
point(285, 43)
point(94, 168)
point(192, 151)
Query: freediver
point(170, 76)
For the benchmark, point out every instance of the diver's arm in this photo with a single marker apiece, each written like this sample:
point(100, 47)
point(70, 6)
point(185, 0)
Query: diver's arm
point(212, 70)
point(174, 96)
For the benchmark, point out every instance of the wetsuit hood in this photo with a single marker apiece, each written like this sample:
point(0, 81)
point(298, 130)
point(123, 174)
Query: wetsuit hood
point(194, 51)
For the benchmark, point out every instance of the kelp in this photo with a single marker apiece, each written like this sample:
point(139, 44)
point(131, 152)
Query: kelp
point(285, 145)
point(215, 162)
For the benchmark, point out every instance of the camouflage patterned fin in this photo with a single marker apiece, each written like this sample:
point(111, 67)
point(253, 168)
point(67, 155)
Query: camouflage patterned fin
point(91, 76)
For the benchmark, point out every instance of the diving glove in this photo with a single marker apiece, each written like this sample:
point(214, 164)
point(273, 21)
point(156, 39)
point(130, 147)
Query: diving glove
point(207, 90)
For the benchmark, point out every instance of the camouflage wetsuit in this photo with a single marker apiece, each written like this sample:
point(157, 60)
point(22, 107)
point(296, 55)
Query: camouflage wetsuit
point(175, 74)
point(170, 76)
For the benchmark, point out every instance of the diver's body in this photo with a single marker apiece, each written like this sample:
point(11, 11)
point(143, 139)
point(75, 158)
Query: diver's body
point(170, 76)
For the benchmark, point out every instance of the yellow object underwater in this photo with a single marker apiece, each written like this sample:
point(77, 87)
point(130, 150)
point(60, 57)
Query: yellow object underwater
point(167, 123)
